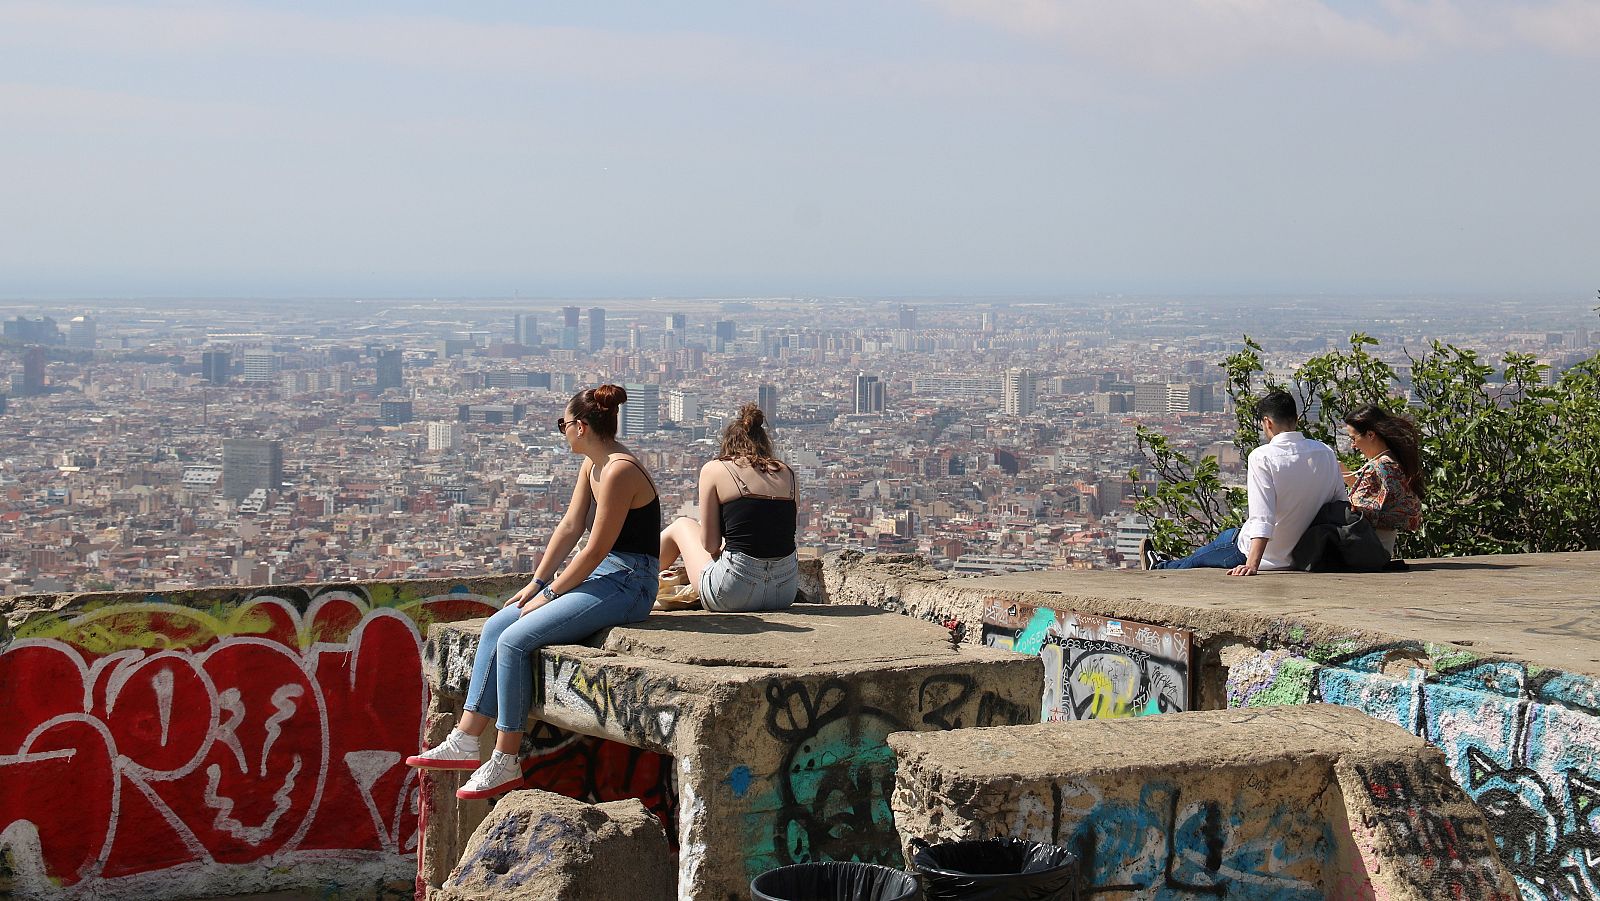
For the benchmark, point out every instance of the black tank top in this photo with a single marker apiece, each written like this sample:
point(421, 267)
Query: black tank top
point(759, 525)
point(641, 528)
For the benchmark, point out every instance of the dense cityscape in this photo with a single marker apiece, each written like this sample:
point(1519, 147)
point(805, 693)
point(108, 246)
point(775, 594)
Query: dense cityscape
point(179, 444)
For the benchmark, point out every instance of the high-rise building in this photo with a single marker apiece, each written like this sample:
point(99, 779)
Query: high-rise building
point(525, 329)
point(216, 366)
point(641, 415)
point(767, 400)
point(1187, 397)
point(869, 393)
point(261, 367)
point(33, 365)
point(990, 320)
point(597, 328)
point(908, 317)
point(1020, 392)
point(682, 406)
point(570, 317)
point(444, 436)
point(677, 322)
point(81, 331)
point(33, 331)
point(395, 412)
point(391, 372)
point(2, 404)
point(725, 333)
point(250, 464)
point(1149, 397)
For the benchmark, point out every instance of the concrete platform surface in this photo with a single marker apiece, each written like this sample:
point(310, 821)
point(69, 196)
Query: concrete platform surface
point(1539, 608)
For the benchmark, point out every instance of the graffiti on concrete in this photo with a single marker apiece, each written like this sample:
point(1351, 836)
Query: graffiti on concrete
point(594, 770)
point(1443, 857)
point(1519, 740)
point(645, 714)
point(1096, 667)
point(1256, 847)
point(830, 797)
point(509, 855)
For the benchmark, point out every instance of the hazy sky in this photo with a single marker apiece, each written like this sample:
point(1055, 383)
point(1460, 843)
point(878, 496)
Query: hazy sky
point(814, 146)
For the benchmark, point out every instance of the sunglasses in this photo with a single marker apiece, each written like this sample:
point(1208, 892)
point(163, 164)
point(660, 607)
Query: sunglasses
point(562, 423)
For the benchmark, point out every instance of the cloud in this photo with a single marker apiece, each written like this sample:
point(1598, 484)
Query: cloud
point(1567, 26)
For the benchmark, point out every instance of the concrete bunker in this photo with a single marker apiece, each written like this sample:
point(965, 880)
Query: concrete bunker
point(776, 726)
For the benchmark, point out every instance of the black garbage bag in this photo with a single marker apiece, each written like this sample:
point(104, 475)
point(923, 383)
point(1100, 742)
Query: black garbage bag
point(834, 881)
point(1002, 869)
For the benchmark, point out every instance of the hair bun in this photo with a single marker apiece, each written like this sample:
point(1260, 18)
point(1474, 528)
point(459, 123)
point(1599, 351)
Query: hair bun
point(610, 397)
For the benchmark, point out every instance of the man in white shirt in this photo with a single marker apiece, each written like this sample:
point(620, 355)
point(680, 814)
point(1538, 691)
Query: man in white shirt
point(1289, 479)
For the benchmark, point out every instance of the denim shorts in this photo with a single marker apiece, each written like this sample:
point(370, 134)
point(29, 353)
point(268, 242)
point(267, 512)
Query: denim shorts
point(739, 583)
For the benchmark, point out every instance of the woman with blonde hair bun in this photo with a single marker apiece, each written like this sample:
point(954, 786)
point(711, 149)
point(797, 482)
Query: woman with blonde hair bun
point(741, 552)
point(610, 581)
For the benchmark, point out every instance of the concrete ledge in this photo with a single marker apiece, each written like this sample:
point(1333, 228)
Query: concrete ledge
point(776, 722)
point(1306, 802)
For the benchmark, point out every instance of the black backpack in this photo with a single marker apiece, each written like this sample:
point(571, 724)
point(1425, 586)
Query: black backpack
point(1339, 540)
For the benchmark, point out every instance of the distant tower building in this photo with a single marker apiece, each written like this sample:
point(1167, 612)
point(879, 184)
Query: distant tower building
point(1020, 392)
point(525, 329)
point(2, 404)
point(678, 322)
point(767, 400)
point(261, 368)
point(724, 334)
point(671, 341)
point(597, 328)
point(570, 317)
point(642, 413)
point(216, 366)
point(33, 370)
point(869, 393)
point(1185, 397)
point(395, 412)
point(33, 331)
point(1582, 341)
point(391, 371)
point(682, 406)
point(1149, 397)
point(990, 320)
point(444, 436)
point(908, 317)
point(81, 331)
point(636, 337)
point(250, 464)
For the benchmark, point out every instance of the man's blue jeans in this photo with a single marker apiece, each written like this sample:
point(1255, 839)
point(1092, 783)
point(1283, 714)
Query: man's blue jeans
point(621, 590)
point(1220, 554)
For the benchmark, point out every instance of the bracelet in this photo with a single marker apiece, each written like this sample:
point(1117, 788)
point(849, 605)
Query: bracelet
point(541, 583)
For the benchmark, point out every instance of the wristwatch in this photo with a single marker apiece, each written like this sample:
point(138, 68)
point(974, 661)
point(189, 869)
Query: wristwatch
point(549, 593)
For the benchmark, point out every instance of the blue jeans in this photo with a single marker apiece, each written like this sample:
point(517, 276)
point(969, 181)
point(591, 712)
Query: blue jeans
point(620, 590)
point(739, 583)
point(1223, 553)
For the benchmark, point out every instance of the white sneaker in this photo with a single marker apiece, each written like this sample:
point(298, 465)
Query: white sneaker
point(459, 751)
point(499, 774)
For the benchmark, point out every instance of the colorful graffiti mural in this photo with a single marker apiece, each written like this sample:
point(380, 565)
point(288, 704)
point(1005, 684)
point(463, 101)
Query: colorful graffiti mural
point(1096, 667)
point(1161, 846)
point(830, 798)
point(147, 739)
point(1523, 742)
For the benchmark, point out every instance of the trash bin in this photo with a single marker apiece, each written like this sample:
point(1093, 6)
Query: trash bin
point(1004, 869)
point(834, 881)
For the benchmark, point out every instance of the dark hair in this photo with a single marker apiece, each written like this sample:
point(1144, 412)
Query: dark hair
point(1279, 406)
point(745, 440)
point(1400, 433)
point(597, 407)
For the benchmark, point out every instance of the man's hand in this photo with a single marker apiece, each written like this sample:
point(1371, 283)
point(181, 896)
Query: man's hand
point(1244, 569)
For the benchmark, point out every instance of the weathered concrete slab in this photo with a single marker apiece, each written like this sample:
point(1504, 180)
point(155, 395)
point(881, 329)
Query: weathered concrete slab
point(1490, 659)
point(539, 846)
point(776, 722)
point(1536, 608)
point(1284, 803)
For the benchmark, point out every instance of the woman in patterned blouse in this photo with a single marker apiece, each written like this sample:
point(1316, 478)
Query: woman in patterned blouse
point(1387, 490)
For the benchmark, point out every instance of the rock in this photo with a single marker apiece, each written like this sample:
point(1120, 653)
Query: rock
point(539, 846)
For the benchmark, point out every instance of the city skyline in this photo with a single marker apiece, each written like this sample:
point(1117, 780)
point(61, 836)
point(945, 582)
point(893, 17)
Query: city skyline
point(960, 147)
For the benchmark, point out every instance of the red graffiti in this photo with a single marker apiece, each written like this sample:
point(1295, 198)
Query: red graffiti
point(273, 737)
